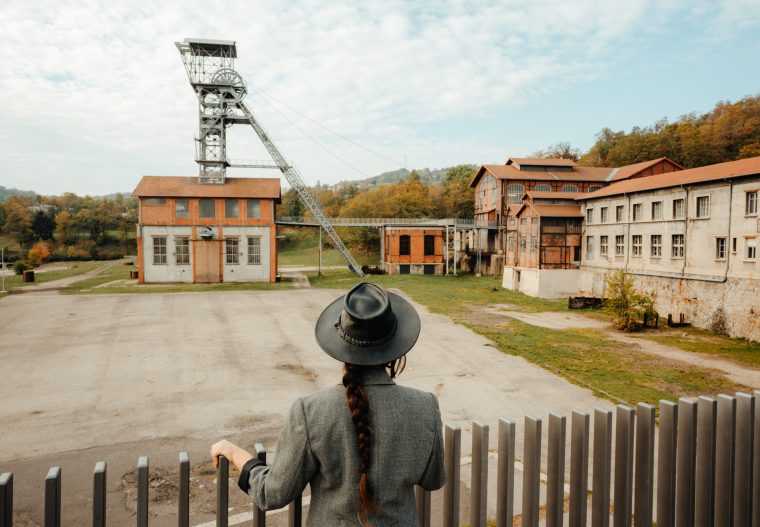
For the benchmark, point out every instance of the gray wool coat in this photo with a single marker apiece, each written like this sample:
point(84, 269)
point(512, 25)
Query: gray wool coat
point(318, 446)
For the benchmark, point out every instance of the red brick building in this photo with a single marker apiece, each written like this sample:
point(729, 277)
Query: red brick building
point(412, 250)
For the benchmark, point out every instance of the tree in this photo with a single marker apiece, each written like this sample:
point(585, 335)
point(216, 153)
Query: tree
point(64, 227)
point(43, 226)
point(39, 252)
point(561, 150)
point(630, 307)
point(459, 197)
point(18, 219)
point(291, 204)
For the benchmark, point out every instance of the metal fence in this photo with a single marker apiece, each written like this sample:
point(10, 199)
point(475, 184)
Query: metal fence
point(707, 472)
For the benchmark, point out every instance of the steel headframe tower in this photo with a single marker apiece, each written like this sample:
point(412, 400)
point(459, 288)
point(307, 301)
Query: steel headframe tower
point(220, 91)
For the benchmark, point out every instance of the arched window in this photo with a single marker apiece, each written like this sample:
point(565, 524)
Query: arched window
point(543, 188)
point(569, 188)
point(515, 193)
point(593, 188)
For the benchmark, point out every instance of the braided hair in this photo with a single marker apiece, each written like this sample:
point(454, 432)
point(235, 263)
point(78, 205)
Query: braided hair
point(358, 404)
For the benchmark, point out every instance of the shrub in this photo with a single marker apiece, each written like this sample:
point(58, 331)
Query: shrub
point(76, 253)
point(21, 265)
point(110, 256)
point(719, 324)
point(629, 306)
point(39, 252)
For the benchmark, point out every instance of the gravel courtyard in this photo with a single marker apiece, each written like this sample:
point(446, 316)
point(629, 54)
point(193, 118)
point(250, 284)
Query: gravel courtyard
point(111, 377)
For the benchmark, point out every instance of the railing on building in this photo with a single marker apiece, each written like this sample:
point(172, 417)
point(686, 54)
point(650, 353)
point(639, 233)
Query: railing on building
point(707, 471)
point(383, 222)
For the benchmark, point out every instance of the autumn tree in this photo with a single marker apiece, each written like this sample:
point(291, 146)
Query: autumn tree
point(18, 219)
point(459, 197)
point(561, 150)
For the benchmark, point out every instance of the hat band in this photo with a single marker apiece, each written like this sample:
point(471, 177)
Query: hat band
point(366, 343)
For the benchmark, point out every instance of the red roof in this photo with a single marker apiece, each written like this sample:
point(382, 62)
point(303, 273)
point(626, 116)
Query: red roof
point(189, 187)
point(631, 170)
point(541, 161)
point(535, 194)
point(731, 169)
point(554, 211)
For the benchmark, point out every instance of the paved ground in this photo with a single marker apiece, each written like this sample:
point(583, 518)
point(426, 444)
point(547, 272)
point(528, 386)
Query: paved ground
point(112, 377)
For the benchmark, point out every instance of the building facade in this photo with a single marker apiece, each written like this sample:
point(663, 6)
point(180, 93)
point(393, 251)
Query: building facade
point(193, 232)
point(413, 250)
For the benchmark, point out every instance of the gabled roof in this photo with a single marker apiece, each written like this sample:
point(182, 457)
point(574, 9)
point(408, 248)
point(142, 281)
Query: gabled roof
point(188, 187)
point(541, 161)
point(720, 171)
point(553, 211)
point(631, 170)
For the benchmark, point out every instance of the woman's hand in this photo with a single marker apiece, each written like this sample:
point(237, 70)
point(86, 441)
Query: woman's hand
point(236, 455)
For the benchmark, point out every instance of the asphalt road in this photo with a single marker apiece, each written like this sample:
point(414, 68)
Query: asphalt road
point(85, 378)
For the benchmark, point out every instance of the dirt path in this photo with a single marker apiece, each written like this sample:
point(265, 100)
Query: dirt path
point(57, 285)
point(561, 321)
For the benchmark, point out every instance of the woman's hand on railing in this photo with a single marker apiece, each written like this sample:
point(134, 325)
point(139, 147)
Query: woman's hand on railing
point(236, 455)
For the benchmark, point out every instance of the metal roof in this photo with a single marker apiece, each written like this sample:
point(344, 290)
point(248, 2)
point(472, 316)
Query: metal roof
point(213, 48)
point(189, 187)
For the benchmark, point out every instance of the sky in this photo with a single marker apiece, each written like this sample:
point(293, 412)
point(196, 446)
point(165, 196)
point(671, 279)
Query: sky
point(96, 96)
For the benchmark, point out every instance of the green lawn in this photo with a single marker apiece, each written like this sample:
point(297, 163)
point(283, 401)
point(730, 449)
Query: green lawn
point(73, 268)
point(310, 256)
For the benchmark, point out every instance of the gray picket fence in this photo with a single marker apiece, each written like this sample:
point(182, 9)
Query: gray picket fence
point(707, 472)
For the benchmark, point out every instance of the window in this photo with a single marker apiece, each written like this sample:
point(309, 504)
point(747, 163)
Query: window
point(159, 250)
point(619, 213)
point(569, 188)
point(677, 246)
point(155, 201)
point(751, 203)
point(594, 188)
point(231, 208)
point(619, 245)
point(657, 210)
point(533, 244)
point(720, 248)
point(637, 212)
point(231, 250)
point(703, 206)
point(254, 208)
point(512, 222)
point(636, 244)
point(603, 245)
point(182, 250)
point(523, 243)
point(733, 245)
point(254, 250)
point(603, 212)
point(429, 244)
point(589, 216)
point(656, 248)
point(543, 188)
point(515, 193)
point(534, 220)
point(677, 209)
point(207, 208)
point(590, 247)
point(750, 248)
point(403, 245)
point(181, 208)
point(511, 243)
point(523, 221)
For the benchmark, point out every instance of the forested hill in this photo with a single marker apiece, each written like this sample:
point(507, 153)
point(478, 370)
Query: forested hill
point(427, 176)
point(728, 132)
point(6, 192)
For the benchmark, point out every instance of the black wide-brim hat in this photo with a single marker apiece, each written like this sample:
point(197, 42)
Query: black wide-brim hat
point(368, 326)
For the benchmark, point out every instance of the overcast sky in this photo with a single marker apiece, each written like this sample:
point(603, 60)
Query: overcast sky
point(95, 96)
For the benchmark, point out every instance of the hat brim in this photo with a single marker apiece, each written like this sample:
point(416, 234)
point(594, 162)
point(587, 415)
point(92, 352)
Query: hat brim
point(407, 332)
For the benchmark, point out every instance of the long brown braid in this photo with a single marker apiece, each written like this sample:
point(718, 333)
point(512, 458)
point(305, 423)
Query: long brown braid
point(358, 404)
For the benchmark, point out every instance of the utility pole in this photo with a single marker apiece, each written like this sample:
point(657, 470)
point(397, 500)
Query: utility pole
point(2, 267)
point(319, 272)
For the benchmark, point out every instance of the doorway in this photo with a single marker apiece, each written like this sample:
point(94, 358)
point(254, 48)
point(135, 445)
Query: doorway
point(207, 268)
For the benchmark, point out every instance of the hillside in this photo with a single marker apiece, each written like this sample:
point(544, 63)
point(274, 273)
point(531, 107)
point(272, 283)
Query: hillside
point(427, 176)
point(6, 192)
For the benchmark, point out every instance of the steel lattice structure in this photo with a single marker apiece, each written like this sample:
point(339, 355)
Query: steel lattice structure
point(210, 67)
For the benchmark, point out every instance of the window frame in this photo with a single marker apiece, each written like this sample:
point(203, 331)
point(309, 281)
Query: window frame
point(619, 213)
point(702, 213)
point(679, 211)
point(656, 206)
point(637, 245)
point(655, 249)
point(184, 214)
point(206, 201)
point(677, 250)
point(428, 248)
point(250, 260)
point(543, 187)
point(177, 253)
point(604, 214)
point(620, 245)
point(590, 247)
point(750, 203)
point(637, 212)
point(157, 254)
point(404, 245)
point(721, 248)
point(154, 202)
point(569, 188)
point(748, 246)
point(232, 204)
point(603, 245)
point(232, 257)
point(590, 215)
point(512, 190)
point(256, 205)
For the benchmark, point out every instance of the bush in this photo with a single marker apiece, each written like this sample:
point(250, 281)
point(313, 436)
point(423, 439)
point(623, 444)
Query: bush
point(76, 253)
point(109, 256)
point(629, 306)
point(22, 265)
point(719, 324)
point(39, 252)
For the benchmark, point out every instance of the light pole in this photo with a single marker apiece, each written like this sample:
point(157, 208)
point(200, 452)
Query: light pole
point(2, 268)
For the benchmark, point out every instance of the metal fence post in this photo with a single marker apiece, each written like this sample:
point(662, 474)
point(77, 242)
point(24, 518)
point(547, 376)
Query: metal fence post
point(745, 409)
point(259, 516)
point(53, 498)
point(531, 471)
point(686, 458)
point(99, 495)
point(422, 498)
point(644, 471)
point(704, 484)
point(724, 461)
point(479, 482)
point(579, 439)
point(452, 453)
point(555, 467)
point(505, 479)
point(624, 428)
point(183, 505)
point(666, 465)
point(222, 491)
point(142, 491)
point(600, 486)
point(6, 499)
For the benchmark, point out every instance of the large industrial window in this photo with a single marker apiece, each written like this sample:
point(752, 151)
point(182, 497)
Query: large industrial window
point(677, 209)
point(231, 208)
point(751, 203)
point(603, 245)
point(619, 213)
point(703, 206)
point(590, 247)
point(636, 243)
point(569, 188)
point(429, 244)
point(750, 248)
point(155, 201)
point(543, 188)
point(603, 212)
point(656, 245)
point(677, 246)
point(181, 208)
point(231, 250)
point(619, 245)
point(182, 250)
point(207, 208)
point(254, 208)
point(254, 250)
point(159, 250)
point(404, 245)
point(515, 193)
point(657, 210)
point(589, 216)
point(720, 248)
point(637, 212)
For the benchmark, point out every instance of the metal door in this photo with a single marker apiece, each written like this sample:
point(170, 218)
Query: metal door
point(207, 254)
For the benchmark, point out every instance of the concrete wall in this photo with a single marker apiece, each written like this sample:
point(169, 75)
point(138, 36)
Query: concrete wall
point(170, 272)
point(542, 283)
point(243, 271)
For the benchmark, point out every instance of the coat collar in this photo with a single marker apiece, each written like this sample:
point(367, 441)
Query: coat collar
point(376, 376)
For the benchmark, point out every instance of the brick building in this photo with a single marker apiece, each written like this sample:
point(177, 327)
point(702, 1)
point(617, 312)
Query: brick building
point(412, 250)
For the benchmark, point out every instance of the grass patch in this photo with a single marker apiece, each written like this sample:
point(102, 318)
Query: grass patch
point(309, 256)
point(13, 282)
